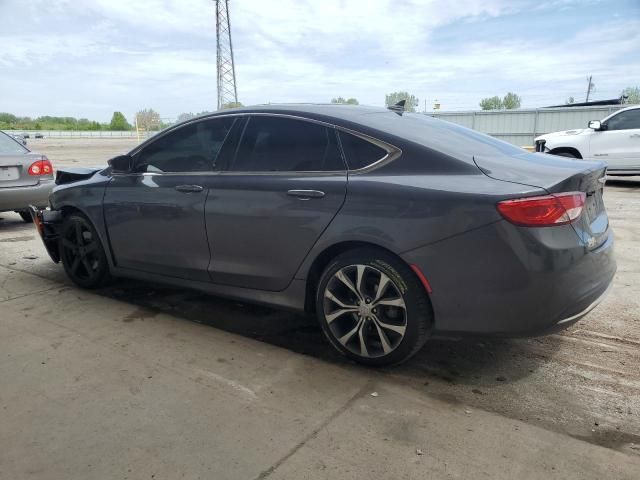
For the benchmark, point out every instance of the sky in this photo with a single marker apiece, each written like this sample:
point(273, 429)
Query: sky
point(91, 58)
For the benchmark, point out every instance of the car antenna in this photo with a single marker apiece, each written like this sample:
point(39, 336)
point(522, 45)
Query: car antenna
point(398, 107)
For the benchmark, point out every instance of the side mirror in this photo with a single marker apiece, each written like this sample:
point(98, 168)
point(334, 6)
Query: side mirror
point(121, 164)
point(595, 124)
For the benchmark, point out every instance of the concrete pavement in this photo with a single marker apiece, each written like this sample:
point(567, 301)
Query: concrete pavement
point(95, 388)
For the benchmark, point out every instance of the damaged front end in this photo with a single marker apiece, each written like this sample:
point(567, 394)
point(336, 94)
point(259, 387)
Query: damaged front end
point(47, 224)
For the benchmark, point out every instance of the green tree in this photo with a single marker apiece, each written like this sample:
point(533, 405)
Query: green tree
point(348, 101)
point(491, 103)
point(411, 101)
point(183, 117)
point(148, 119)
point(511, 101)
point(232, 105)
point(632, 94)
point(119, 122)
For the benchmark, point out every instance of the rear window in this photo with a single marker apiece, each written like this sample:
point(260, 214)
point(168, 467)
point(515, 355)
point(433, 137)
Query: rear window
point(360, 153)
point(9, 146)
point(445, 137)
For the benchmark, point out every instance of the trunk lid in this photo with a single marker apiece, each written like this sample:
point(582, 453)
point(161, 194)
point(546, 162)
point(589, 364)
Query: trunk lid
point(14, 170)
point(556, 175)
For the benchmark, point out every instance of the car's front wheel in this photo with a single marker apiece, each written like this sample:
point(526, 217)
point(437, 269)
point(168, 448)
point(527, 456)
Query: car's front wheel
point(373, 308)
point(82, 254)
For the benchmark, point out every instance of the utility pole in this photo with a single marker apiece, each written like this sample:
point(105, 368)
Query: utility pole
point(226, 70)
point(589, 87)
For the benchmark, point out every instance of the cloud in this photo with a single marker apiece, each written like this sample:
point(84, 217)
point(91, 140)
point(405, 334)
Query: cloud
point(91, 58)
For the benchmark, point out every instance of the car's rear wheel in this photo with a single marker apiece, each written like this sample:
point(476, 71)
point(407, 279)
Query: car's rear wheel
point(82, 254)
point(26, 216)
point(373, 308)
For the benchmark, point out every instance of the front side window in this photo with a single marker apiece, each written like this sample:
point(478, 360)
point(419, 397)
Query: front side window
point(360, 153)
point(191, 148)
point(625, 121)
point(278, 144)
point(8, 146)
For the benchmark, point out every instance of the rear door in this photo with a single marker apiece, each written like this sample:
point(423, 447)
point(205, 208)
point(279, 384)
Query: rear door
point(155, 215)
point(284, 184)
point(619, 144)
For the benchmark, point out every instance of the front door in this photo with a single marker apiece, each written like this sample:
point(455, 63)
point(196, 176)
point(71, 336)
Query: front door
point(155, 215)
point(284, 184)
point(619, 144)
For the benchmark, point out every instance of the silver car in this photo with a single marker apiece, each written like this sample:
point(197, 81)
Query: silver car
point(26, 178)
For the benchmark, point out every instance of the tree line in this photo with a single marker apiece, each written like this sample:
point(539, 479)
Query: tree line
point(151, 120)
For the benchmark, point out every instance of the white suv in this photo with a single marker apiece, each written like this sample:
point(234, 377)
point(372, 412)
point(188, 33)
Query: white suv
point(615, 140)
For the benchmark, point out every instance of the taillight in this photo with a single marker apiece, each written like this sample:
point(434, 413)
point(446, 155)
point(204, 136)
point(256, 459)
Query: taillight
point(543, 211)
point(41, 167)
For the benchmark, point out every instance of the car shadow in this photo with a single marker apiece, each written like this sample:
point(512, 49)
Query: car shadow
point(624, 182)
point(469, 361)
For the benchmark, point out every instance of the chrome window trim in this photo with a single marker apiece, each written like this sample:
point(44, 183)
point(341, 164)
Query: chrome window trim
point(393, 152)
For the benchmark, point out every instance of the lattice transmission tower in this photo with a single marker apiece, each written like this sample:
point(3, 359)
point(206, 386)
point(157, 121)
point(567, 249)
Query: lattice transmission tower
point(226, 69)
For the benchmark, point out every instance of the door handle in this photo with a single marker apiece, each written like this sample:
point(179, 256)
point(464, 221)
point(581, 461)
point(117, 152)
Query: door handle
point(189, 188)
point(306, 194)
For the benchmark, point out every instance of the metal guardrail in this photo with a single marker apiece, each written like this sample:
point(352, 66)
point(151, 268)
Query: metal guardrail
point(80, 133)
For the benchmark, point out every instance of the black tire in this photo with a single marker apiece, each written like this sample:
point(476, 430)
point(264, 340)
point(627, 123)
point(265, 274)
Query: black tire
point(26, 216)
point(414, 318)
point(81, 252)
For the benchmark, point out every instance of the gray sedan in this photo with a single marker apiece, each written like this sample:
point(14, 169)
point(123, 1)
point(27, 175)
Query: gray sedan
point(389, 227)
point(26, 178)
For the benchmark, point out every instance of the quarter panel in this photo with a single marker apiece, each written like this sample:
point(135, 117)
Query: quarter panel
point(504, 279)
point(404, 212)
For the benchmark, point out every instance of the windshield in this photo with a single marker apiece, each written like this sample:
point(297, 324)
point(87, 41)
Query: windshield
point(9, 146)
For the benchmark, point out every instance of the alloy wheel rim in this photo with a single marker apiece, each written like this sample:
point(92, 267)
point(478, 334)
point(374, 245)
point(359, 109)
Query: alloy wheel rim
point(365, 311)
point(80, 251)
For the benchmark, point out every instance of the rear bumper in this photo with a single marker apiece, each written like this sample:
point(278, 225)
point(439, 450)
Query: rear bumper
point(503, 280)
point(19, 198)
point(570, 320)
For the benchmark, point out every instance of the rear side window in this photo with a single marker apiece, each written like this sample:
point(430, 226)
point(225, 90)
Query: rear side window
point(191, 148)
point(359, 152)
point(625, 121)
point(8, 146)
point(278, 144)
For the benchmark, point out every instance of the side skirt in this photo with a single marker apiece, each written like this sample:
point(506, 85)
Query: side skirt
point(292, 298)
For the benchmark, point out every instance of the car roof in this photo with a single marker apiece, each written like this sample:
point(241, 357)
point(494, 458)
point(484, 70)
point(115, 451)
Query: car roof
point(333, 110)
point(389, 126)
point(632, 107)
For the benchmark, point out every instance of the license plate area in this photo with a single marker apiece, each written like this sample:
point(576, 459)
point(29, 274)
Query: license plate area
point(9, 173)
point(594, 205)
point(595, 219)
